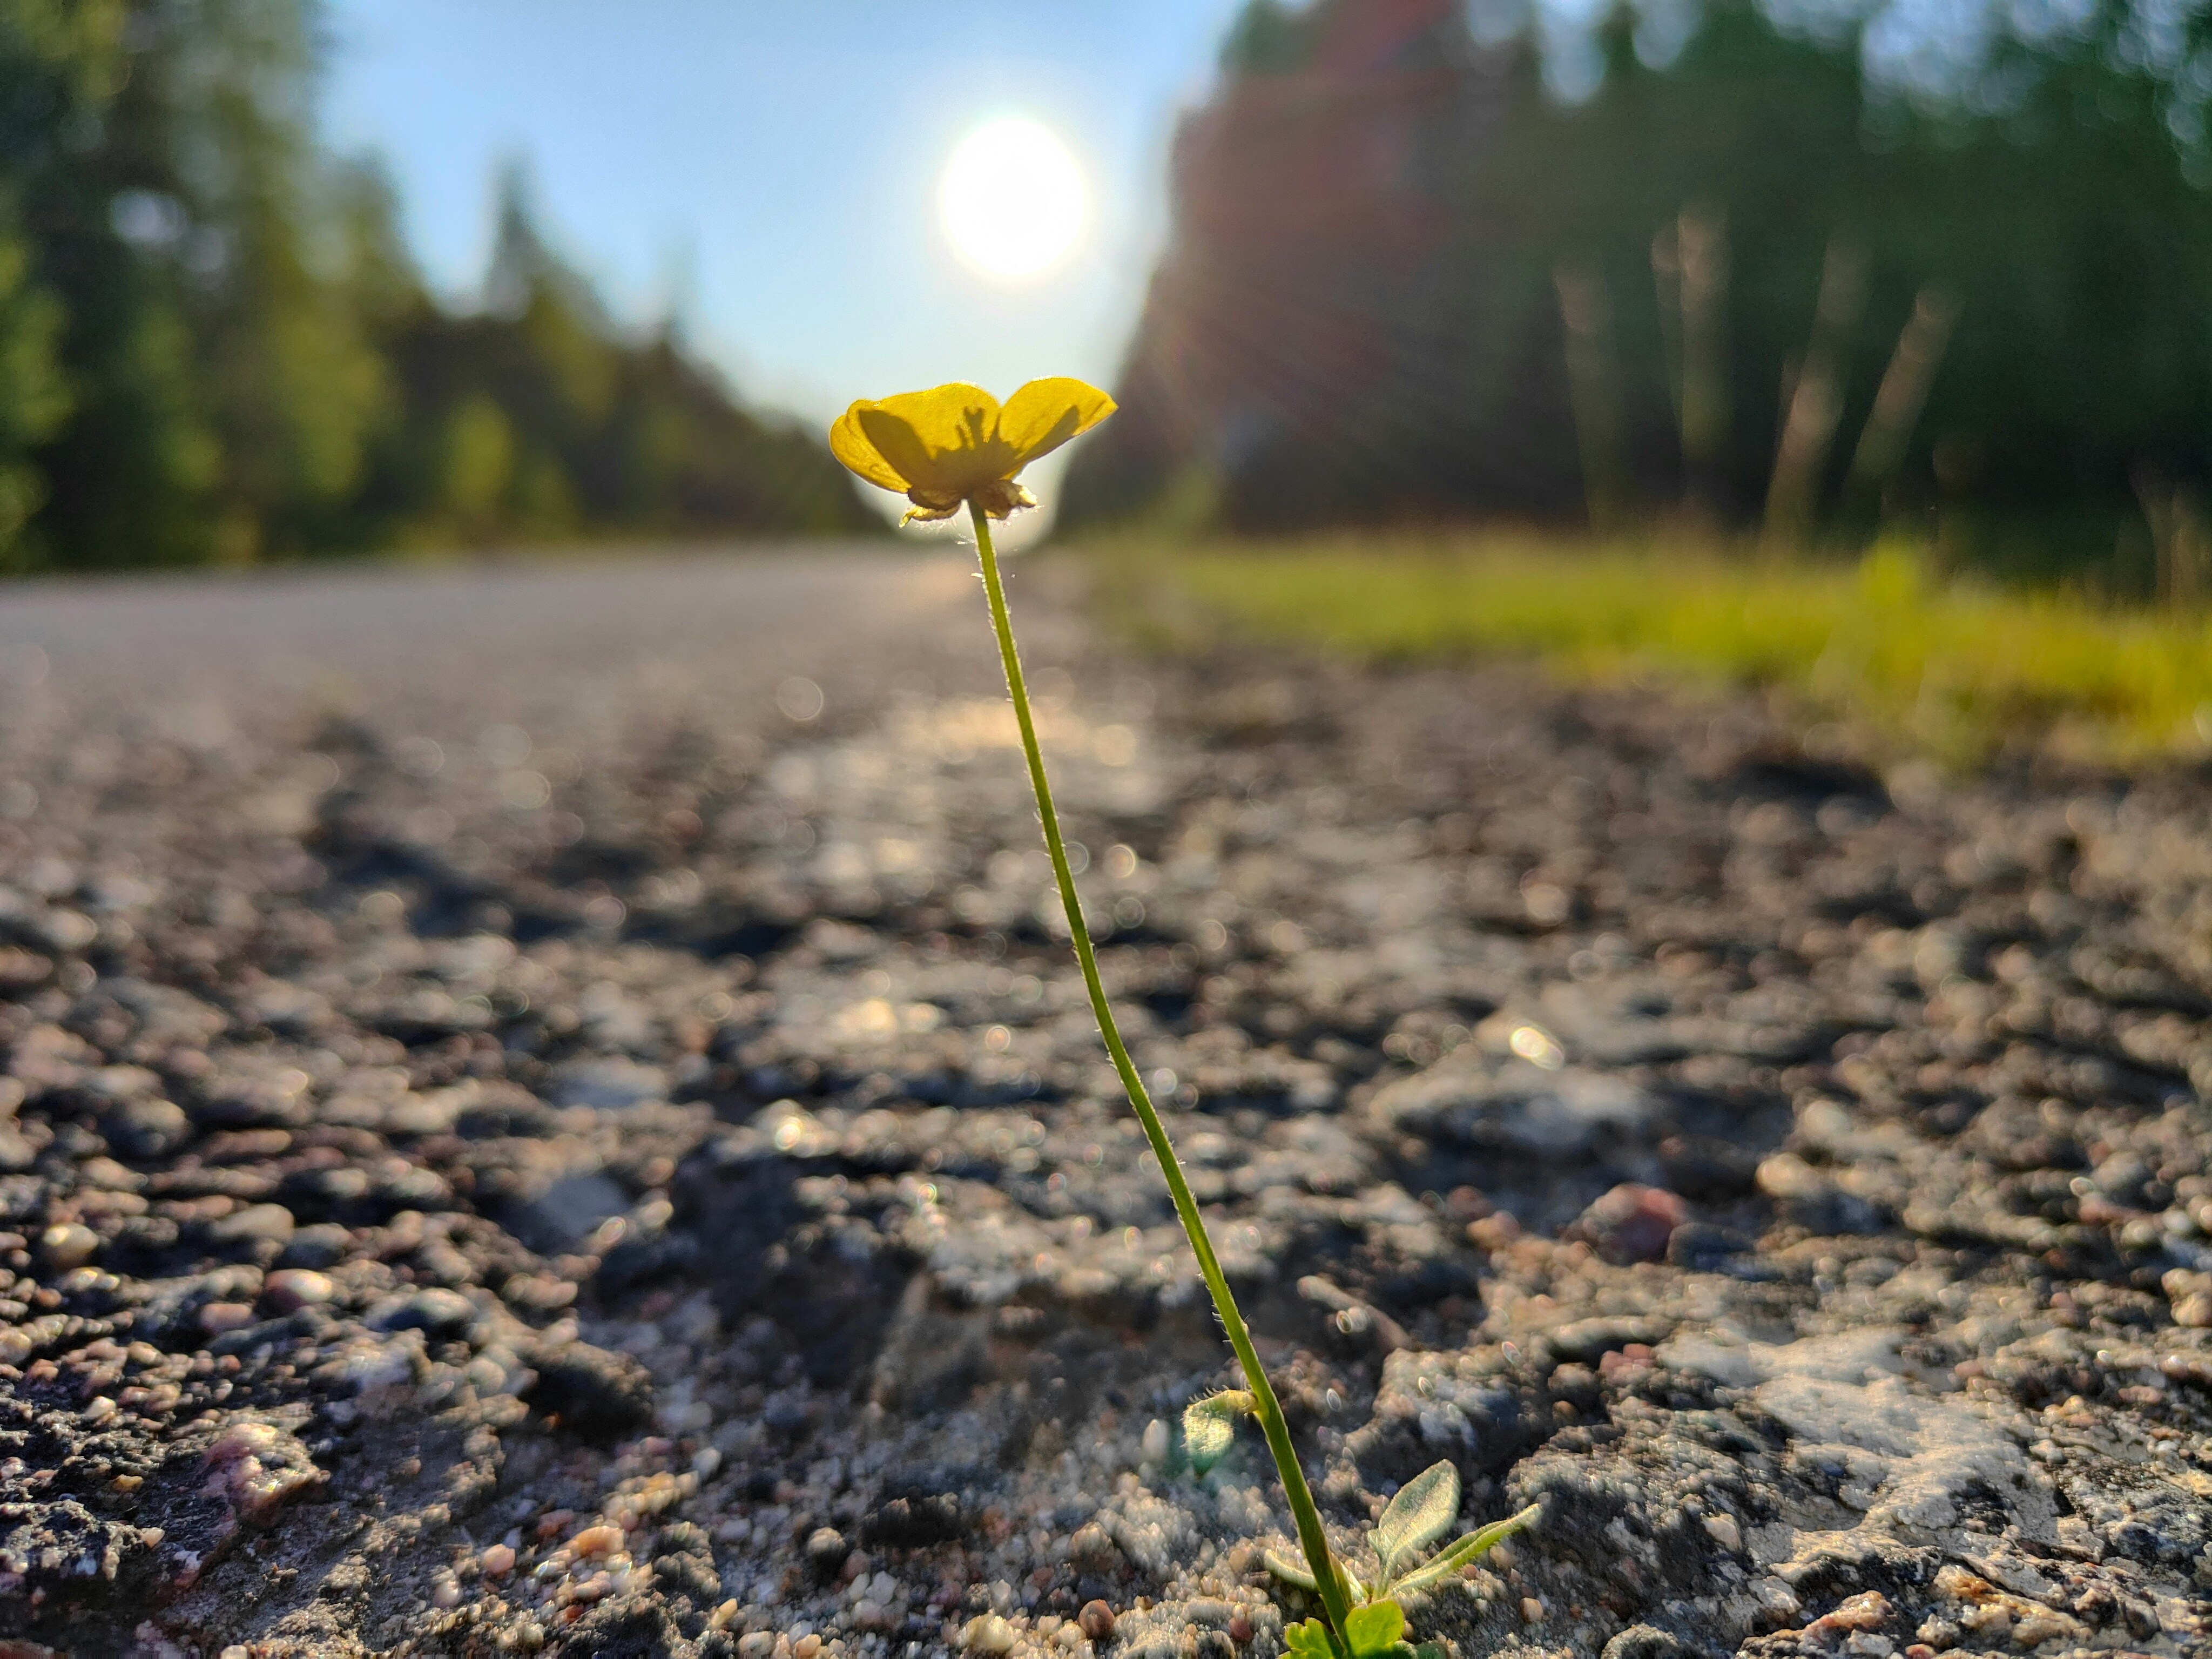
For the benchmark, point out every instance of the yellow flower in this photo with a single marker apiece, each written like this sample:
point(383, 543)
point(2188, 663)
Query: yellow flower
point(955, 444)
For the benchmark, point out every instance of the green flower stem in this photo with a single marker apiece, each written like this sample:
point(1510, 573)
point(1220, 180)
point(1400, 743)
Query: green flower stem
point(1311, 1539)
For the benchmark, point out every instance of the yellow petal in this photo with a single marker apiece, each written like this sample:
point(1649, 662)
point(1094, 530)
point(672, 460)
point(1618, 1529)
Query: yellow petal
point(850, 444)
point(1045, 414)
point(944, 439)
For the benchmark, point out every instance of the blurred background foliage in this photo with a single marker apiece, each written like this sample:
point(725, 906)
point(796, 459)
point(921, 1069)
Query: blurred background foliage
point(214, 347)
point(1799, 270)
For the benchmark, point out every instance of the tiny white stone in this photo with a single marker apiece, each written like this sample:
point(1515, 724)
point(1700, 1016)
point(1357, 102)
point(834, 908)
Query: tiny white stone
point(988, 1634)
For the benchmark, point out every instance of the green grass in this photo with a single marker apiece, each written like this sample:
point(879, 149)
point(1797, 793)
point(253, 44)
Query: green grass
point(1953, 669)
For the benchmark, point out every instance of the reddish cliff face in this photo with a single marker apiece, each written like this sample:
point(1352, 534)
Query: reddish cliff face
point(1303, 348)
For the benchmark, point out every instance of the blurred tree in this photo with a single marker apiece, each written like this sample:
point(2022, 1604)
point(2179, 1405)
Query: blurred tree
point(34, 397)
point(56, 61)
point(293, 382)
point(596, 434)
point(1267, 38)
point(1358, 318)
point(108, 365)
point(479, 454)
point(213, 346)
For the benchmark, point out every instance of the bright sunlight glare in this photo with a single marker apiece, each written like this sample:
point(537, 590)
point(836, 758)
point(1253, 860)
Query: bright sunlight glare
point(1012, 199)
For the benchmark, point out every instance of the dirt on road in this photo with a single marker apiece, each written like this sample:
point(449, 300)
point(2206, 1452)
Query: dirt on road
point(546, 1109)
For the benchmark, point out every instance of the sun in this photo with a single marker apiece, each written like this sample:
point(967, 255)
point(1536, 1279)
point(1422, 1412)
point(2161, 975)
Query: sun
point(1012, 199)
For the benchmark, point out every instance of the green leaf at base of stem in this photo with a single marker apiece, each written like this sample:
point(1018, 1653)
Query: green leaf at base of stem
point(1422, 1512)
point(1466, 1551)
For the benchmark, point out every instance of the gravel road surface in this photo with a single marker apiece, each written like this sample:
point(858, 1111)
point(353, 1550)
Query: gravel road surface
point(545, 1109)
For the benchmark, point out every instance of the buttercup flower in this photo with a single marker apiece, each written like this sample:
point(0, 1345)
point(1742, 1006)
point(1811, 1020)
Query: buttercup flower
point(955, 444)
point(955, 447)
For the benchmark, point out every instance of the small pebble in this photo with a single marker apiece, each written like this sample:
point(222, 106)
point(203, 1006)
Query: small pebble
point(1532, 1610)
point(497, 1562)
point(68, 1245)
point(554, 1522)
point(595, 1541)
point(1240, 1630)
point(1154, 1445)
point(806, 1647)
point(755, 1644)
point(252, 1223)
point(435, 1310)
point(322, 1245)
point(216, 1317)
point(290, 1289)
point(1633, 1222)
point(987, 1633)
point(1096, 1620)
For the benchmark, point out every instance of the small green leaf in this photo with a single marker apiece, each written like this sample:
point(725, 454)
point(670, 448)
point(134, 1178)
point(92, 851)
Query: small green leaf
point(1296, 1577)
point(1421, 1513)
point(1471, 1547)
point(1375, 1629)
point(1308, 1641)
point(1428, 1650)
point(1209, 1427)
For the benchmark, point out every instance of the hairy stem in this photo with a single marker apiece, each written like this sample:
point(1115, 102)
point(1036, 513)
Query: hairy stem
point(1311, 1539)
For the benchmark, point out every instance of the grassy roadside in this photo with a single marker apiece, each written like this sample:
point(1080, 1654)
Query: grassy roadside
point(1955, 670)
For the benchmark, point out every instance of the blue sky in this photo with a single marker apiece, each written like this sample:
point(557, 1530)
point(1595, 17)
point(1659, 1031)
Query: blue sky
point(777, 162)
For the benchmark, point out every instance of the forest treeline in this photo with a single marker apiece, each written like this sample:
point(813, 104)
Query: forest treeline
point(214, 349)
point(1772, 266)
point(1781, 266)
